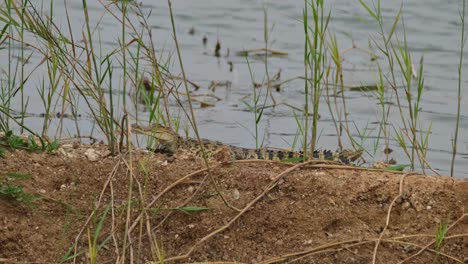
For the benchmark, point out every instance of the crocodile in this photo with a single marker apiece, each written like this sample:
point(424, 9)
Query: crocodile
point(170, 141)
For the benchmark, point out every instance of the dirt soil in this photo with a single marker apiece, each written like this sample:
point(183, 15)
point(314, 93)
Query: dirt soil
point(256, 212)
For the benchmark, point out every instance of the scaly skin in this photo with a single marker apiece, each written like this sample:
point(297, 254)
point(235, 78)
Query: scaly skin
point(170, 142)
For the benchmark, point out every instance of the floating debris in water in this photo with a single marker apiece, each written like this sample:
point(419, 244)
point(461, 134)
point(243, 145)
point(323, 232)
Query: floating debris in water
point(274, 82)
point(204, 104)
point(204, 40)
point(261, 52)
point(364, 88)
point(215, 84)
point(191, 31)
point(217, 52)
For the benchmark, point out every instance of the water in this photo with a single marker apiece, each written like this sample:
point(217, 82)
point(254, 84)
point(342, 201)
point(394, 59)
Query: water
point(432, 29)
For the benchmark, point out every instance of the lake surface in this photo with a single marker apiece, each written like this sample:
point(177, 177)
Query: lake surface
point(432, 27)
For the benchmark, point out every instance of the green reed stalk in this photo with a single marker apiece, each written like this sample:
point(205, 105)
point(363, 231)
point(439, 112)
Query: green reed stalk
point(460, 65)
point(14, 82)
point(105, 119)
point(314, 55)
point(21, 32)
point(191, 118)
point(159, 72)
point(339, 82)
point(254, 108)
point(124, 54)
point(383, 129)
point(53, 73)
point(404, 62)
point(266, 41)
point(137, 79)
point(336, 58)
point(306, 79)
point(6, 97)
point(54, 78)
point(267, 74)
point(400, 53)
point(93, 246)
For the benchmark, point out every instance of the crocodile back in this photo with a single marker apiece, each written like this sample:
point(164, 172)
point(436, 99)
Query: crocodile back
point(170, 141)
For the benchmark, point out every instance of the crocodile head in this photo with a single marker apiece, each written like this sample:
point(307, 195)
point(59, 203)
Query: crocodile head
point(165, 136)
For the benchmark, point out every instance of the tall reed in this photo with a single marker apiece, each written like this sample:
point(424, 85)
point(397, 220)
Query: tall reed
point(400, 65)
point(314, 66)
point(460, 66)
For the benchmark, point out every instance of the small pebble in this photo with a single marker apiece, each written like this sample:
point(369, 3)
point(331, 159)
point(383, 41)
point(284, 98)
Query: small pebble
point(91, 154)
point(67, 146)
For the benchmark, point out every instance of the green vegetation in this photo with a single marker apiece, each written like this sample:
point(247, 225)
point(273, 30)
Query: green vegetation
point(80, 79)
point(441, 234)
point(80, 72)
point(459, 97)
point(93, 247)
point(29, 143)
point(9, 189)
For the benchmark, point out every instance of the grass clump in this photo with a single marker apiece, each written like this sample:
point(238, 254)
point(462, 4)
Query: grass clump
point(441, 234)
point(29, 143)
point(9, 189)
point(93, 246)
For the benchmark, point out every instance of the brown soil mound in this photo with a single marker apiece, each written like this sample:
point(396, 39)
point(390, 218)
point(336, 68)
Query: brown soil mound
point(267, 212)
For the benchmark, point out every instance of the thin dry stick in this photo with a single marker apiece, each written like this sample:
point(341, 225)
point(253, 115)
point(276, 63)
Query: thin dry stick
point(387, 222)
point(111, 175)
point(191, 117)
point(129, 196)
point(322, 165)
point(432, 242)
point(457, 236)
point(114, 239)
point(142, 199)
point(150, 237)
point(169, 188)
point(145, 210)
point(366, 242)
point(162, 193)
point(419, 246)
point(311, 250)
point(155, 250)
point(130, 166)
point(246, 208)
point(186, 201)
point(350, 243)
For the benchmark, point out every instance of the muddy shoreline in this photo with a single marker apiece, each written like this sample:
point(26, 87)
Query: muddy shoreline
point(268, 212)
